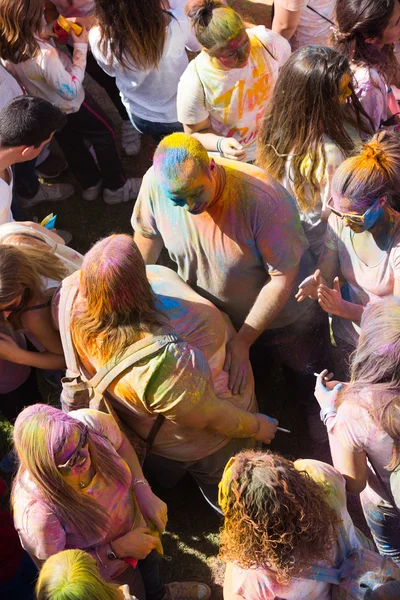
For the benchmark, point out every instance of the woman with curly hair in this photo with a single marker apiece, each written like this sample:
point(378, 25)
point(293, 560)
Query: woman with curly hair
point(281, 518)
point(366, 33)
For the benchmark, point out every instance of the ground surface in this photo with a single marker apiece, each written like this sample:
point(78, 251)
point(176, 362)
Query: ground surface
point(191, 542)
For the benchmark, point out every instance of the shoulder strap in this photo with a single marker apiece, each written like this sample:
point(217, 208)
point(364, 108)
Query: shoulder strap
point(133, 354)
point(322, 16)
point(385, 487)
point(68, 294)
point(264, 46)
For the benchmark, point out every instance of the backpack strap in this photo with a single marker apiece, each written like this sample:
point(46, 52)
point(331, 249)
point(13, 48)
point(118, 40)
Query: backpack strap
point(133, 354)
point(68, 293)
point(322, 16)
point(264, 46)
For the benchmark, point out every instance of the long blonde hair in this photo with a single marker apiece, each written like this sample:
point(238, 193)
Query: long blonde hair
point(22, 271)
point(73, 575)
point(40, 433)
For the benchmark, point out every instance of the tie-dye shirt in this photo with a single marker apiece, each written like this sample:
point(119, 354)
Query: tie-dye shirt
point(235, 100)
point(51, 75)
point(250, 229)
point(312, 28)
point(42, 534)
point(260, 584)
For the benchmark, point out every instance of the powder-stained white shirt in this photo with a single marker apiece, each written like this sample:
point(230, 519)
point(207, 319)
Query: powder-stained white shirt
point(235, 100)
point(313, 28)
point(51, 75)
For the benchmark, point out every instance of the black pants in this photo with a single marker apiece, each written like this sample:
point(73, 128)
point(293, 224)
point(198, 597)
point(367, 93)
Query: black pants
point(90, 123)
point(107, 83)
point(26, 185)
point(26, 394)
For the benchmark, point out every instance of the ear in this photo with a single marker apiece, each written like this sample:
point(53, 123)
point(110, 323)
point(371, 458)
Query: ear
point(212, 164)
point(27, 151)
point(373, 41)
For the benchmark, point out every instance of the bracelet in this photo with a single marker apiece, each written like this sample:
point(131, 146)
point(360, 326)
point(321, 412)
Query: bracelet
point(136, 482)
point(219, 149)
point(328, 415)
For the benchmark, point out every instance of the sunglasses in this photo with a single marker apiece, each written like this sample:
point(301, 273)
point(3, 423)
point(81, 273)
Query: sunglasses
point(14, 307)
point(356, 219)
point(77, 459)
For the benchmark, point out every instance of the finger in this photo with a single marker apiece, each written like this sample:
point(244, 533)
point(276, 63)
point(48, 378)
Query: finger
point(159, 522)
point(327, 294)
point(328, 377)
point(336, 284)
point(317, 275)
point(244, 382)
point(238, 382)
point(228, 359)
point(324, 288)
point(235, 144)
point(233, 374)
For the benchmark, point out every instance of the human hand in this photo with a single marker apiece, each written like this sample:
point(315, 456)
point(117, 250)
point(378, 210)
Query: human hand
point(138, 543)
point(327, 398)
point(237, 362)
point(308, 288)
point(9, 349)
point(331, 300)
point(48, 31)
point(153, 509)
point(232, 149)
point(267, 428)
point(83, 37)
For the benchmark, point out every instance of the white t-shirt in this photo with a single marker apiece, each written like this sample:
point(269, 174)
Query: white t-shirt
point(6, 190)
point(235, 100)
point(51, 75)
point(151, 95)
point(313, 28)
point(9, 87)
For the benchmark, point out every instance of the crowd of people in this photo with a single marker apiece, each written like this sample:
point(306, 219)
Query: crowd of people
point(274, 189)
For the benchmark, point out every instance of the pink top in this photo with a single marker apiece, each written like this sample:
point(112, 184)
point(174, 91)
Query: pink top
point(42, 534)
point(372, 92)
point(364, 284)
point(357, 430)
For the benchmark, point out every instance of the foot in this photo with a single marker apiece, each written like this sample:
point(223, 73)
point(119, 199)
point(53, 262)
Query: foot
point(187, 590)
point(52, 167)
point(65, 235)
point(55, 192)
point(130, 138)
point(93, 192)
point(127, 192)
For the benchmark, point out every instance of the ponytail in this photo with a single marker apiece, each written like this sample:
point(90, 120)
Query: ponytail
point(372, 173)
point(213, 22)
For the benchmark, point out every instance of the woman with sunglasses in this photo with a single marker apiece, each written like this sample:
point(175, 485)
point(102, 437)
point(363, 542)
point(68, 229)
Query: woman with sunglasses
point(32, 265)
point(225, 90)
point(362, 243)
point(79, 485)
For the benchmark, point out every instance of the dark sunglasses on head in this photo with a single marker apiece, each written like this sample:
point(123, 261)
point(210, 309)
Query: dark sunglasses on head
point(14, 307)
point(356, 219)
point(76, 459)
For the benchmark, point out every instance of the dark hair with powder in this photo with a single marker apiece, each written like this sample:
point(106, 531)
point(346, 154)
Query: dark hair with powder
point(359, 20)
point(276, 516)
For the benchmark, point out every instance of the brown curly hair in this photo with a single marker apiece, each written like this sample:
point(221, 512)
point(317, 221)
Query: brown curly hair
point(276, 517)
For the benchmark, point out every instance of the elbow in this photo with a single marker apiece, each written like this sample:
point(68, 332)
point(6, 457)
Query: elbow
point(354, 486)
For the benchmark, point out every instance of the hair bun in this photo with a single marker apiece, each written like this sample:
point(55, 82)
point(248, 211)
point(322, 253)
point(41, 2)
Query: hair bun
point(201, 11)
point(340, 36)
point(373, 151)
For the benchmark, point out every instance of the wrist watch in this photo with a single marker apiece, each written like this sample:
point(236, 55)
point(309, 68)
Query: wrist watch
point(326, 413)
point(110, 553)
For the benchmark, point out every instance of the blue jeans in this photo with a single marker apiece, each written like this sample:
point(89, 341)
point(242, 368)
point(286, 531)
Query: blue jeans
point(384, 524)
point(156, 130)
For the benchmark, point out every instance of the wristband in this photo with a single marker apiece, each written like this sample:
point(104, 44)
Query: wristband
point(136, 482)
point(219, 149)
point(326, 413)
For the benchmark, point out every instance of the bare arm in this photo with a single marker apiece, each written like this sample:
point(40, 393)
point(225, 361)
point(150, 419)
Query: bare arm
point(352, 465)
point(270, 301)
point(208, 138)
point(150, 248)
point(221, 416)
point(285, 21)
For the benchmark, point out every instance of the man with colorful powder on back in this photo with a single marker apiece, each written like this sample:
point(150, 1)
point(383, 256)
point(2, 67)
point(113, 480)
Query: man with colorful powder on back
point(235, 235)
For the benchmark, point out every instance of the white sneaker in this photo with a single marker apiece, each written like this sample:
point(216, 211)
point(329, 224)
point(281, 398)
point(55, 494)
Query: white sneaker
point(55, 192)
point(187, 590)
point(130, 138)
point(129, 191)
point(93, 192)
